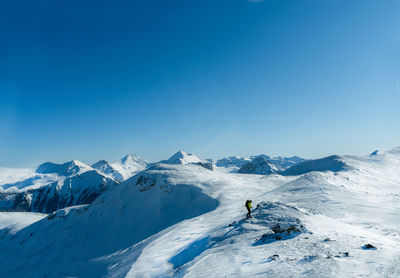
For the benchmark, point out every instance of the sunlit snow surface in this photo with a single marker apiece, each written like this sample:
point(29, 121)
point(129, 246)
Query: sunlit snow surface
point(187, 221)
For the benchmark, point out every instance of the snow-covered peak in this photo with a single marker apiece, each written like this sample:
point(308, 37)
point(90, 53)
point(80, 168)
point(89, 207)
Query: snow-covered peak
point(132, 158)
point(128, 166)
point(66, 169)
point(105, 168)
point(182, 157)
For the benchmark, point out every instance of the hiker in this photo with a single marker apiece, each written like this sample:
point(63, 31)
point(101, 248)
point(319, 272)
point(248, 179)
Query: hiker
point(248, 206)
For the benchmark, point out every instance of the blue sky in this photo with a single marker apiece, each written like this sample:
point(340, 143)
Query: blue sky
point(93, 80)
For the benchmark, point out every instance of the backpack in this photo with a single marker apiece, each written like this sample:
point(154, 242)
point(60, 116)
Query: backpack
point(248, 203)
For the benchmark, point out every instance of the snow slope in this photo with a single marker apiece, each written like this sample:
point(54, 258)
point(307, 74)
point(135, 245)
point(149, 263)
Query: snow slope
point(334, 163)
point(12, 222)
point(182, 220)
point(325, 219)
point(121, 217)
point(108, 170)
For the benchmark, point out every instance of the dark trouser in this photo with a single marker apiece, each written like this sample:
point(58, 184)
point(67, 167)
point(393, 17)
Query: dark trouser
point(248, 213)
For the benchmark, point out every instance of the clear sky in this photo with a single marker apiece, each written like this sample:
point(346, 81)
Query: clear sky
point(93, 80)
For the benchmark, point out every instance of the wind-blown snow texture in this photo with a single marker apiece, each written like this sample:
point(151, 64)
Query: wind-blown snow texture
point(185, 220)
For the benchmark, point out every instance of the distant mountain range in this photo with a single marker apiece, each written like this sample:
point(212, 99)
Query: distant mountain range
point(53, 186)
point(266, 165)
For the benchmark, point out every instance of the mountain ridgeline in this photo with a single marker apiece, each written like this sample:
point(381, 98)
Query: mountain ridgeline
point(53, 186)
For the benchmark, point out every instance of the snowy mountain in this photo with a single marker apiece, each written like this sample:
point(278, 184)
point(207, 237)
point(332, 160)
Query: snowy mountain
point(53, 186)
point(129, 165)
point(259, 165)
point(122, 169)
point(184, 158)
point(334, 163)
point(232, 161)
point(108, 170)
point(67, 169)
point(285, 162)
point(124, 216)
point(330, 217)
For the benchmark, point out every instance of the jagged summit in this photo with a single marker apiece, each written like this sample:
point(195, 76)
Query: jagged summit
point(122, 169)
point(129, 165)
point(132, 158)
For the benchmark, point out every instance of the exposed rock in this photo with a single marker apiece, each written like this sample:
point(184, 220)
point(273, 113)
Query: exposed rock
point(75, 190)
point(206, 165)
point(260, 166)
point(282, 221)
point(309, 258)
point(369, 247)
point(273, 258)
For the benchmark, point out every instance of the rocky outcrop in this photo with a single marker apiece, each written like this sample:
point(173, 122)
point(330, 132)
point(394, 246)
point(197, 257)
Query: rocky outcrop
point(260, 166)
